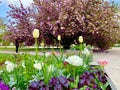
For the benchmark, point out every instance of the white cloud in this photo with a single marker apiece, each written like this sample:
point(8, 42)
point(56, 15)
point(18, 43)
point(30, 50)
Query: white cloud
point(16, 2)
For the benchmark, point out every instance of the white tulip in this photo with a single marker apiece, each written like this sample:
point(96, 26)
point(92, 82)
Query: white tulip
point(74, 60)
point(80, 39)
point(59, 37)
point(35, 33)
point(86, 52)
point(37, 66)
point(10, 66)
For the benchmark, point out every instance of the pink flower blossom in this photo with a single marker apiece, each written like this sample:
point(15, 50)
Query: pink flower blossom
point(103, 62)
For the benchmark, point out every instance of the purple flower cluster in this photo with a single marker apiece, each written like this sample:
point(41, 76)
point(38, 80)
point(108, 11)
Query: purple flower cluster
point(89, 79)
point(59, 83)
point(62, 83)
point(38, 85)
point(55, 83)
point(3, 86)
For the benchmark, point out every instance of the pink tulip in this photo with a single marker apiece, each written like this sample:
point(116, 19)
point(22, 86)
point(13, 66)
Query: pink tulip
point(103, 62)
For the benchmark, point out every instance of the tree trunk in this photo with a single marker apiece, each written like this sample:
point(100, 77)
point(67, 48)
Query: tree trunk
point(17, 45)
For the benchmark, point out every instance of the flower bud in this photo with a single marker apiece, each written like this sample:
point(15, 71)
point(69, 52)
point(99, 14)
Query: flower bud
point(35, 33)
point(59, 37)
point(42, 44)
point(80, 39)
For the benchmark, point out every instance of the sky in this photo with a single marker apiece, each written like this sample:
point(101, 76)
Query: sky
point(4, 5)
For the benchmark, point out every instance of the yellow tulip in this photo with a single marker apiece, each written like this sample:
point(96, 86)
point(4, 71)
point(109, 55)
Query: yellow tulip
point(35, 33)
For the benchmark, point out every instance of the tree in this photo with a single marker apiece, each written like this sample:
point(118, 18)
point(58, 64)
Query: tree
point(2, 29)
point(71, 18)
point(93, 19)
point(20, 27)
point(2, 25)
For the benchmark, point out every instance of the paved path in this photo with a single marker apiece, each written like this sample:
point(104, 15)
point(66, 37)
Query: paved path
point(113, 68)
point(13, 52)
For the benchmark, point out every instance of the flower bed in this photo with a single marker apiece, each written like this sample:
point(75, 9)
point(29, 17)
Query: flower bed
point(53, 71)
point(87, 81)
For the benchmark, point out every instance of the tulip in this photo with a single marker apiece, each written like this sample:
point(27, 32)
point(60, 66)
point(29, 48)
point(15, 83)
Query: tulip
point(42, 44)
point(102, 62)
point(74, 60)
point(86, 52)
point(59, 37)
point(37, 66)
point(80, 39)
point(35, 33)
point(10, 66)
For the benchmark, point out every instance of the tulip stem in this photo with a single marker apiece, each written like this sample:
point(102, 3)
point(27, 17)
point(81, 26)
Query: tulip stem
point(36, 47)
point(60, 46)
point(80, 53)
point(60, 50)
point(103, 69)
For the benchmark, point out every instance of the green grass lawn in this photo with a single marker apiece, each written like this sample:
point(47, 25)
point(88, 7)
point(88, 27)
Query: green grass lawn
point(14, 57)
point(10, 57)
point(117, 45)
point(4, 57)
point(12, 48)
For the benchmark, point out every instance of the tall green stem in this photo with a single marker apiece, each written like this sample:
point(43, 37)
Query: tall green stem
point(60, 47)
point(80, 53)
point(103, 69)
point(61, 53)
point(36, 47)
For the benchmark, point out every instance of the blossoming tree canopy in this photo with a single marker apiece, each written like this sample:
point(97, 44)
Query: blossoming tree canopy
point(68, 18)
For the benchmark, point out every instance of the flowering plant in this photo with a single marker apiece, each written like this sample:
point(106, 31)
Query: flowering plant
point(52, 72)
point(9, 66)
point(74, 60)
point(3, 86)
point(35, 33)
point(80, 39)
point(59, 37)
point(103, 62)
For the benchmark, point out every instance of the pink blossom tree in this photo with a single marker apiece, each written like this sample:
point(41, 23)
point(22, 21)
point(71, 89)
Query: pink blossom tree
point(93, 19)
